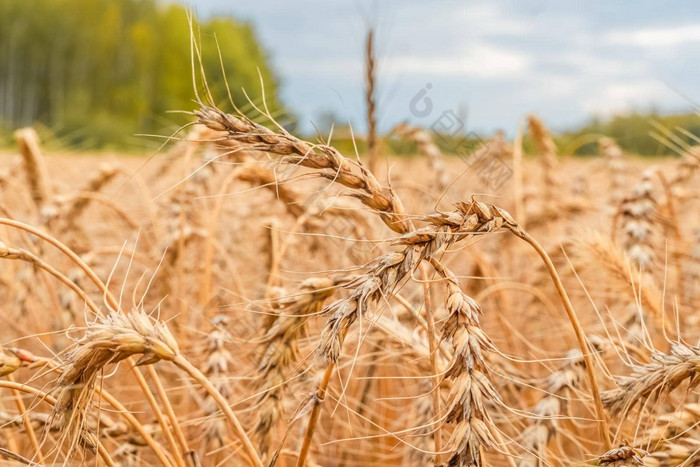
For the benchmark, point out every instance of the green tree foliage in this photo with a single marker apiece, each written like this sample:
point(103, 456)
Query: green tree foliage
point(633, 133)
point(107, 69)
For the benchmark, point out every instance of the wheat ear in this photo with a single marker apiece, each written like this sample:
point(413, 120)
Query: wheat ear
point(652, 380)
point(37, 175)
point(326, 159)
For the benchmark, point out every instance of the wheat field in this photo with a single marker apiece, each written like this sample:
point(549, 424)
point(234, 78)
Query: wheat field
point(245, 297)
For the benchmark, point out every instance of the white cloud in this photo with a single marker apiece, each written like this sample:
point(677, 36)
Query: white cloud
point(656, 37)
point(614, 98)
point(592, 63)
point(501, 57)
point(488, 19)
point(477, 60)
point(327, 67)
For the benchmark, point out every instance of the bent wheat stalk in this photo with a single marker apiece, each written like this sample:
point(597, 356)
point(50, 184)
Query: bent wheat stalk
point(578, 330)
point(180, 361)
point(331, 164)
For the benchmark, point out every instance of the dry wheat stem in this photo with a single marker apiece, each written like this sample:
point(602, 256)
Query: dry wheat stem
point(548, 155)
point(8, 454)
point(578, 330)
point(22, 409)
point(318, 398)
point(10, 361)
point(205, 287)
point(433, 345)
point(236, 426)
point(518, 177)
point(177, 449)
point(370, 101)
point(133, 421)
point(65, 250)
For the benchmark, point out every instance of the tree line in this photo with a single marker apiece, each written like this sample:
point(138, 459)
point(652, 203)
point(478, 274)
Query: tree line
point(644, 133)
point(96, 71)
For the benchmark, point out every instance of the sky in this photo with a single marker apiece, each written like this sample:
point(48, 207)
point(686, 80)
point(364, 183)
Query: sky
point(490, 63)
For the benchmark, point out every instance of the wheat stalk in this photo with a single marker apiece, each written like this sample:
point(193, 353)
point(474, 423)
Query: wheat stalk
point(615, 165)
point(370, 101)
point(548, 155)
point(326, 159)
